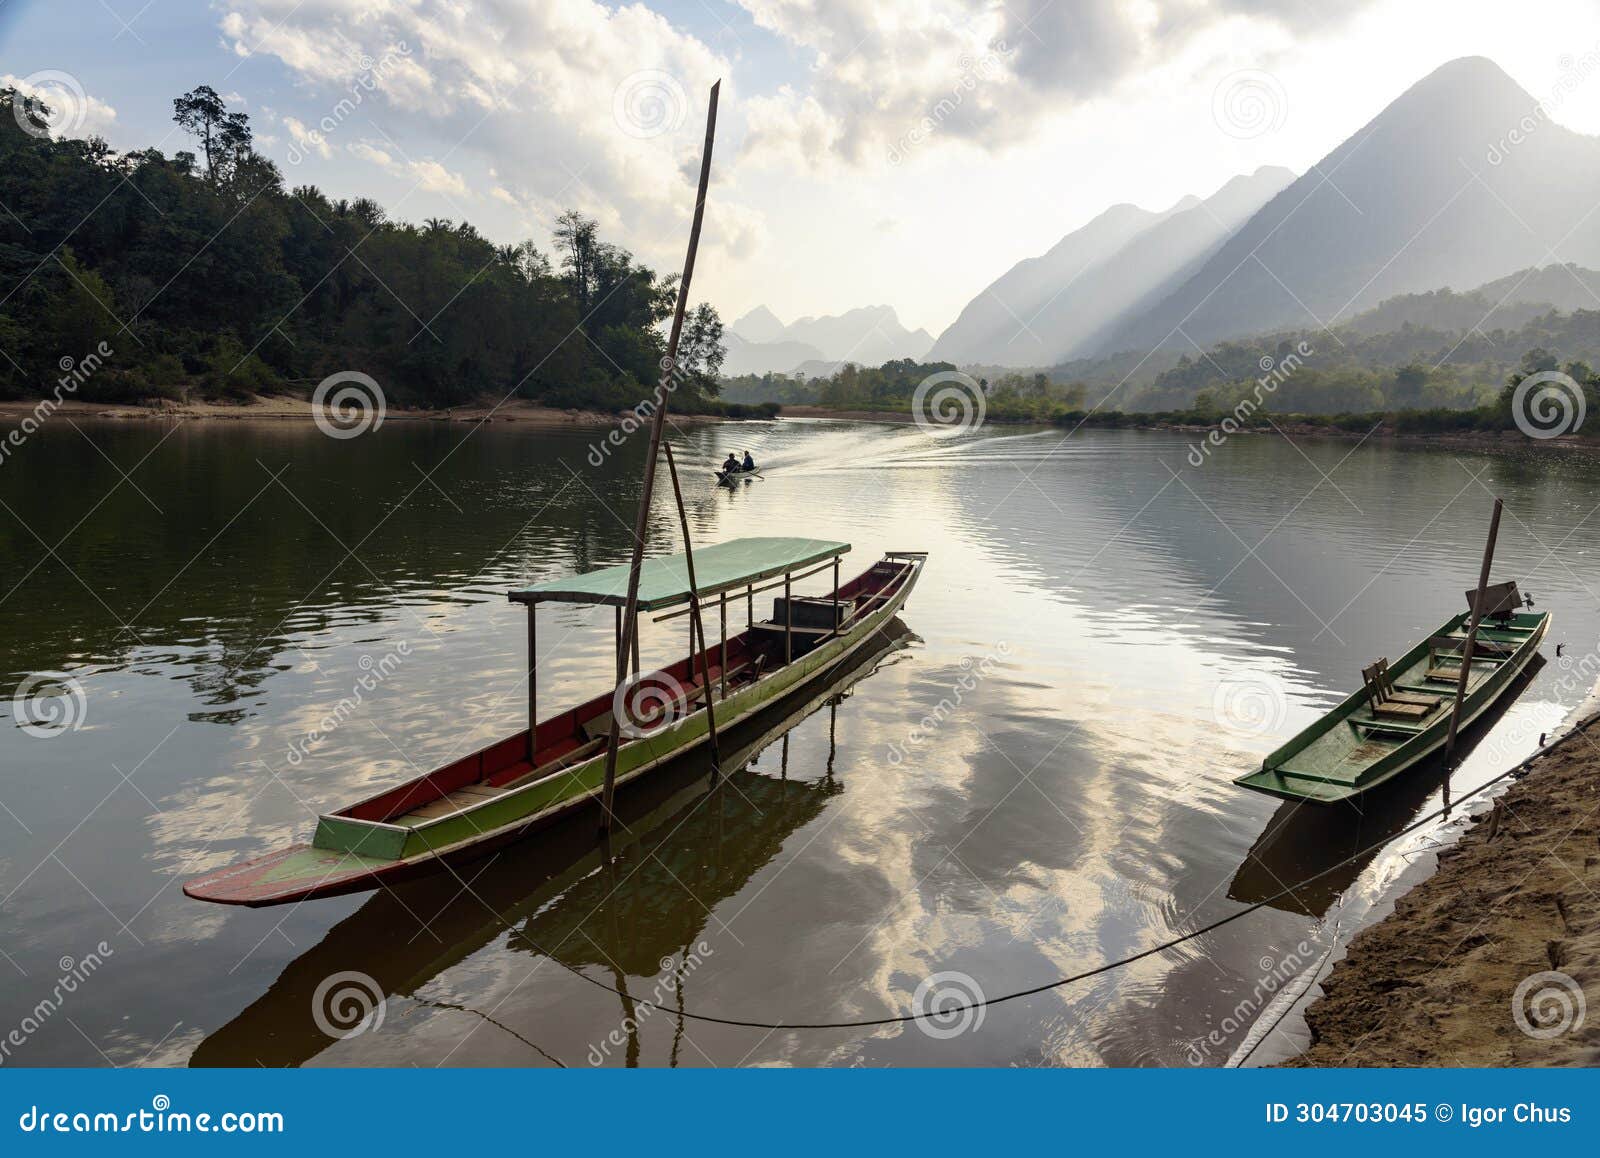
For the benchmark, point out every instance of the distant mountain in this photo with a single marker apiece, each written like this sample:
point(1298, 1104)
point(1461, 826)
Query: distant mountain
point(1055, 307)
point(758, 342)
point(991, 330)
point(744, 357)
point(759, 325)
point(1429, 193)
point(1564, 287)
point(1503, 304)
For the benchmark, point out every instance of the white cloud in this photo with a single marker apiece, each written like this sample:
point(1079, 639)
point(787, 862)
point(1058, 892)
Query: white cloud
point(888, 71)
point(530, 89)
point(305, 138)
point(73, 111)
point(426, 174)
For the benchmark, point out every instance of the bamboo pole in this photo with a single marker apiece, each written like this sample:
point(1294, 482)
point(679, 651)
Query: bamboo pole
point(1472, 633)
point(724, 610)
point(697, 625)
point(630, 616)
point(619, 647)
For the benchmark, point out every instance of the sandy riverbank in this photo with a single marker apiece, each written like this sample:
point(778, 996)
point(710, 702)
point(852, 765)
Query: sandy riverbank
point(1433, 984)
point(280, 408)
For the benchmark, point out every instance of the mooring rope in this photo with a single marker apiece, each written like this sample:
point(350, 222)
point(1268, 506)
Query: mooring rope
point(1108, 967)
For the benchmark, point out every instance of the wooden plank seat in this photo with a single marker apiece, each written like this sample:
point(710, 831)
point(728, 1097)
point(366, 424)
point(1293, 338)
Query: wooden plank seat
point(1385, 701)
point(452, 802)
point(778, 630)
point(1446, 650)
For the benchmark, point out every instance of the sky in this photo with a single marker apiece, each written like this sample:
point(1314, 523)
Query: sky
point(900, 152)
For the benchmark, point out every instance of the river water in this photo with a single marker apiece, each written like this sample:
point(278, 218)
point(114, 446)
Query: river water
point(1031, 779)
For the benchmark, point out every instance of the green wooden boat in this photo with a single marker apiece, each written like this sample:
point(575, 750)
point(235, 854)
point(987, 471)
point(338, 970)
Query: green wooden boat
point(1402, 713)
point(498, 794)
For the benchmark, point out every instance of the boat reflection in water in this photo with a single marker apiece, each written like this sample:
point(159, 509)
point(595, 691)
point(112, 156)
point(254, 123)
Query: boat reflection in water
point(593, 909)
point(1302, 839)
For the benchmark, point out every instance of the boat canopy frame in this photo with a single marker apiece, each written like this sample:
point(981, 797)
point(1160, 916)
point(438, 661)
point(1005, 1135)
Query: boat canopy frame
point(664, 579)
point(734, 565)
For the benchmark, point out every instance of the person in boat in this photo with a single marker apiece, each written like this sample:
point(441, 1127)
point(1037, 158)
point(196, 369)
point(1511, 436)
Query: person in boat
point(749, 463)
point(731, 464)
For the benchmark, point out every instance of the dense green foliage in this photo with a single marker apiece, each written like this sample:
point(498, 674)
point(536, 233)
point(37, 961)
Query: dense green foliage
point(890, 387)
point(206, 275)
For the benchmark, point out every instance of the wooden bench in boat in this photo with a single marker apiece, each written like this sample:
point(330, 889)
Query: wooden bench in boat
point(1385, 701)
point(1444, 650)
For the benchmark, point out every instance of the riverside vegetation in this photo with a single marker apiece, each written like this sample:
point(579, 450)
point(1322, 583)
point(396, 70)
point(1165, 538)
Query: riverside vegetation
point(210, 278)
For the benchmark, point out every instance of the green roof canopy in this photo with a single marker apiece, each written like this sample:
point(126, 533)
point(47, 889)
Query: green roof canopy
point(664, 581)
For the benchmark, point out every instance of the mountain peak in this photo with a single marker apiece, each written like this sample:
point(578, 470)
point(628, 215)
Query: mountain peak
point(1446, 186)
point(868, 335)
point(759, 325)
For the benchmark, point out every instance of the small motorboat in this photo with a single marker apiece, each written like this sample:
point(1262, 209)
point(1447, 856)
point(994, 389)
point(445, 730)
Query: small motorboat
point(728, 478)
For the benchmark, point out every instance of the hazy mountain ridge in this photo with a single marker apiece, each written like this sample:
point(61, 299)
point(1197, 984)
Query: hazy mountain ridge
point(1054, 307)
point(1407, 204)
point(988, 327)
point(869, 335)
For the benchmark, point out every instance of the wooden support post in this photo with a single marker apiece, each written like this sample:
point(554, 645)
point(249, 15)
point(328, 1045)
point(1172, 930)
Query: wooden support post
point(724, 660)
point(749, 604)
point(641, 522)
point(788, 623)
point(697, 626)
point(836, 595)
point(533, 686)
point(1472, 634)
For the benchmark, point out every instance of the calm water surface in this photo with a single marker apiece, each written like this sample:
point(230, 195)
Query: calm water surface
point(1032, 779)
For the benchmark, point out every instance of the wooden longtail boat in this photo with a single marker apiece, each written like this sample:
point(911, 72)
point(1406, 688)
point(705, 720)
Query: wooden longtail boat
point(504, 791)
point(1401, 714)
point(673, 836)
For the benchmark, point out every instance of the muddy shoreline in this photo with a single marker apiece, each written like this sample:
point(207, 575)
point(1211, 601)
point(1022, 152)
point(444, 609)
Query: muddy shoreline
point(1487, 961)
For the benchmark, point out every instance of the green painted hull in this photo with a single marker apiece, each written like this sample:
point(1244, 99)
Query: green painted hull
point(1349, 751)
point(545, 799)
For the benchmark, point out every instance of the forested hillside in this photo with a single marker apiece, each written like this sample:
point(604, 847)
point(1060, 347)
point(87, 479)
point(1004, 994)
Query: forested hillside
point(207, 277)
